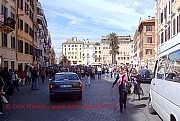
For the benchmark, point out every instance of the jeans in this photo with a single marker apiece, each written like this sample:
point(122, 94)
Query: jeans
point(122, 97)
point(34, 83)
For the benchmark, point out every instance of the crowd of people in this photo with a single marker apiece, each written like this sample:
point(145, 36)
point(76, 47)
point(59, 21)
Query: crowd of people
point(127, 78)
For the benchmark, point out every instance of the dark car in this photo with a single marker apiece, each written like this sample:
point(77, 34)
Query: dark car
point(65, 84)
point(146, 75)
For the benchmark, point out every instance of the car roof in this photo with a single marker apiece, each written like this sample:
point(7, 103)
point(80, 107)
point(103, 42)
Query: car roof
point(65, 73)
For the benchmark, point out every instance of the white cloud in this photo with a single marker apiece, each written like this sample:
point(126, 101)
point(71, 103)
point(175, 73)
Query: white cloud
point(93, 18)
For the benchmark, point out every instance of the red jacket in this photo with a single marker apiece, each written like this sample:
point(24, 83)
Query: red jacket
point(23, 75)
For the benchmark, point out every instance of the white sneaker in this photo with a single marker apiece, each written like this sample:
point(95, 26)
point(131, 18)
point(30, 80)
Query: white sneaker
point(1, 113)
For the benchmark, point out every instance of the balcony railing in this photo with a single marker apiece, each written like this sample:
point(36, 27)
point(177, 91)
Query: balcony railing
point(7, 24)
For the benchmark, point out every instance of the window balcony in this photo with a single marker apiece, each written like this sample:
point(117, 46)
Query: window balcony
point(7, 24)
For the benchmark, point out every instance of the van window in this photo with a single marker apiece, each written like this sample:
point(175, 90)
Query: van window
point(173, 67)
point(161, 67)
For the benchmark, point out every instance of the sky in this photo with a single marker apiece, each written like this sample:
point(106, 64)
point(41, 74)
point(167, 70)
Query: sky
point(92, 19)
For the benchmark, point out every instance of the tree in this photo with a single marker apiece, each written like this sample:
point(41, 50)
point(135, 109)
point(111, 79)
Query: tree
point(114, 45)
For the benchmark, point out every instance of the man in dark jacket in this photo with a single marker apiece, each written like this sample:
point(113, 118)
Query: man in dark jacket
point(34, 79)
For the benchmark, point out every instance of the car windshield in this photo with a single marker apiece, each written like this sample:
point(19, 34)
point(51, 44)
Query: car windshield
point(145, 72)
point(60, 77)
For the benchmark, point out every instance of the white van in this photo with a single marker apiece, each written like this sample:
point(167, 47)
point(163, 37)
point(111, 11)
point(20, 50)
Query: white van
point(164, 96)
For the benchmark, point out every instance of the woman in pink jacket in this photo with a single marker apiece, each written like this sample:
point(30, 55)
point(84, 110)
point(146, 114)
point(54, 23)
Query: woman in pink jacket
point(121, 79)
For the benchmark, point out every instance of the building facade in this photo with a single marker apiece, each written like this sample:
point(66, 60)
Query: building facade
point(20, 34)
point(88, 52)
point(136, 41)
point(147, 52)
point(123, 57)
point(42, 35)
point(124, 50)
point(168, 20)
point(7, 35)
point(73, 50)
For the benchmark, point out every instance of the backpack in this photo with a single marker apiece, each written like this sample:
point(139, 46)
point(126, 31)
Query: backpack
point(10, 90)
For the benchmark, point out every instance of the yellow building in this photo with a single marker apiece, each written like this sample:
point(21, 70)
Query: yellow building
point(123, 57)
point(26, 33)
point(72, 49)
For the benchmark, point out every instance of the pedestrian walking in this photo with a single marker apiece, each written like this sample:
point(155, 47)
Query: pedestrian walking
point(43, 74)
point(34, 75)
point(121, 80)
point(99, 69)
point(23, 77)
point(15, 80)
point(88, 78)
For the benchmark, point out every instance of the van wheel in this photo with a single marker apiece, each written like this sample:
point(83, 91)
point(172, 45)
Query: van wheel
point(150, 107)
point(80, 97)
point(51, 98)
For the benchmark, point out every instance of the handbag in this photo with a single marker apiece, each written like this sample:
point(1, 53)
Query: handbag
point(3, 99)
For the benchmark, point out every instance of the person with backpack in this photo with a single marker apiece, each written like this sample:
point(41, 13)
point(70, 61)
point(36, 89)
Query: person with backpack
point(121, 79)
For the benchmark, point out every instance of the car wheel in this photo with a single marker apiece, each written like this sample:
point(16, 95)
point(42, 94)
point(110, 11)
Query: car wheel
point(51, 98)
point(150, 107)
point(80, 97)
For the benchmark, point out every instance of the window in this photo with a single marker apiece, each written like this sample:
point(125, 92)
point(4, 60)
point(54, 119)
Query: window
point(174, 26)
point(172, 72)
point(149, 39)
point(161, 68)
point(162, 17)
point(4, 40)
point(165, 12)
point(26, 8)
point(20, 5)
point(148, 28)
point(169, 33)
point(166, 35)
point(121, 58)
point(172, 1)
point(20, 46)
point(64, 45)
point(169, 7)
point(26, 27)
point(127, 58)
point(26, 48)
point(118, 58)
point(148, 51)
point(20, 24)
point(13, 43)
point(162, 37)
point(178, 23)
point(12, 15)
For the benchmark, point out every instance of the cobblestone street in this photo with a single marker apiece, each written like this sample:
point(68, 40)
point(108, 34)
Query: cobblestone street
point(99, 103)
